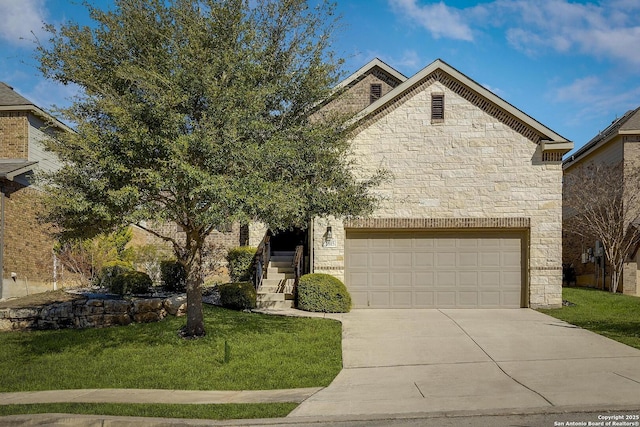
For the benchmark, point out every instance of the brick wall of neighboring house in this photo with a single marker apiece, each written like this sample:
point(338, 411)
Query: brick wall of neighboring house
point(14, 135)
point(28, 248)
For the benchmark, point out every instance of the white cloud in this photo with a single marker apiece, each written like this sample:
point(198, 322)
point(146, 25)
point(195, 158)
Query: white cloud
point(439, 19)
point(588, 97)
point(22, 20)
point(607, 29)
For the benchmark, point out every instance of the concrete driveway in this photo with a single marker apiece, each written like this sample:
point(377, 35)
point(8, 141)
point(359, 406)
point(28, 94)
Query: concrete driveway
point(413, 361)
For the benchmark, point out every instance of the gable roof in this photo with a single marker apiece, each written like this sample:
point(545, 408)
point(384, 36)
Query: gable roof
point(629, 123)
point(362, 71)
point(11, 100)
point(476, 93)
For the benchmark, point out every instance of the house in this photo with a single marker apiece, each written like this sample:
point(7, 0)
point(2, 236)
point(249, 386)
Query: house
point(26, 249)
point(618, 143)
point(472, 217)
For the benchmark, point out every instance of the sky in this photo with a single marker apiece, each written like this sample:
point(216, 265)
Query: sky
point(572, 65)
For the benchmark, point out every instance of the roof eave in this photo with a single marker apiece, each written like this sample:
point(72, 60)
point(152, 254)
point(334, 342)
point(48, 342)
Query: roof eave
point(38, 112)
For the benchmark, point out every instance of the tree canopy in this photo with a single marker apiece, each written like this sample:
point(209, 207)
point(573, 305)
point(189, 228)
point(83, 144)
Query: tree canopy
point(202, 113)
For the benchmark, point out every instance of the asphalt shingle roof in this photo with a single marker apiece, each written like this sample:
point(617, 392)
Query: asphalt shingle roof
point(9, 97)
point(10, 168)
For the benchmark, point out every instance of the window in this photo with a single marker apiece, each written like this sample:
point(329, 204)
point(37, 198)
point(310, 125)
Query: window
point(375, 92)
point(437, 107)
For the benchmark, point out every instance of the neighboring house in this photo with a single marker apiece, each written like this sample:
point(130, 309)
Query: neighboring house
point(26, 249)
point(619, 142)
point(473, 214)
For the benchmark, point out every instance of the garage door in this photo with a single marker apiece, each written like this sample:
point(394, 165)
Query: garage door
point(434, 269)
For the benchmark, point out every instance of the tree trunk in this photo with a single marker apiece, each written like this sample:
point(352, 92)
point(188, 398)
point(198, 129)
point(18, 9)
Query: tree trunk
point(195, 317)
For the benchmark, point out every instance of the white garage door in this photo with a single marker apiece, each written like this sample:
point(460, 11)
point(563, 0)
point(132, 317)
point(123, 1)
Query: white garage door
point(434, 269)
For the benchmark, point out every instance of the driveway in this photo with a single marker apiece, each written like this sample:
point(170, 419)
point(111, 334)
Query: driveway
point(413, 361)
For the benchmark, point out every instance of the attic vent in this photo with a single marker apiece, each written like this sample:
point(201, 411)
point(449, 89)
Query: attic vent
point(375, 92)
point(552, 156)
point(437, 107)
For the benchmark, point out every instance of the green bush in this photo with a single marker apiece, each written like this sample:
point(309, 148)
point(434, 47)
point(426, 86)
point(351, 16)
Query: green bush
point(110, 270)
point(240, 261)
point(131, 282)
point(173, 276)
point(238, 296)
point(323, 293)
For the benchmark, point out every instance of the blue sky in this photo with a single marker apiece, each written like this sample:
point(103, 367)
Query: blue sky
point(572, 65)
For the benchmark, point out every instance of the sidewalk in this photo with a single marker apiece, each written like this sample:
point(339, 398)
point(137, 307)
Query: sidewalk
point(296, 395)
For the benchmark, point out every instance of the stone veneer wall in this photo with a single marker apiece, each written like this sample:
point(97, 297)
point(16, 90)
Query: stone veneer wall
point(470, 166)
point(91, 313)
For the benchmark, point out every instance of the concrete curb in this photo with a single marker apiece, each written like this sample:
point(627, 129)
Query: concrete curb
point(296, 395)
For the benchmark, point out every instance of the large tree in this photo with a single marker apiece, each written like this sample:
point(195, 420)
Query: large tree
point(200, 112)
point(602, 202)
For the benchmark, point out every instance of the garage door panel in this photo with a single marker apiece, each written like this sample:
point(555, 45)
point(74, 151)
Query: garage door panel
point(423, 259)
point(423, 278)
point(402, 298)
point(400, 279)
point(446, 278)
point(380, 299)
point(358, 260)
point(468, 279)
point(401, 260)
point(445, 298)
point(446, 259)
point(469, 299)
point(430, 269)
point(424, 299)
point(468, 259)
point(380, 278)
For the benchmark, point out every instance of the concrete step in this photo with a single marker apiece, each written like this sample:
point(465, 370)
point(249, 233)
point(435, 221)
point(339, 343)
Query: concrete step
point(281, 264)
point(275, 305)
point(284, 273)
point(281, 259)
point(274, 296)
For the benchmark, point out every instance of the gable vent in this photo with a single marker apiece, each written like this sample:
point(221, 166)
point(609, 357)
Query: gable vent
point(437, 106)
point(375, 92)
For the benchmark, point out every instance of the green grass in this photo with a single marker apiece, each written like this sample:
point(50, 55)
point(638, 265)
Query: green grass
point(266, 352)
point(615, 316)
point(210, 412)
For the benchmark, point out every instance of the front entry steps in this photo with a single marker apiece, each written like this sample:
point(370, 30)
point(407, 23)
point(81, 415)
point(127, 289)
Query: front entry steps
point(276, 291)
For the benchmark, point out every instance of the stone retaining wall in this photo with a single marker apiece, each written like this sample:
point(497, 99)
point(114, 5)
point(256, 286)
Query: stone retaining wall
point(92, 313)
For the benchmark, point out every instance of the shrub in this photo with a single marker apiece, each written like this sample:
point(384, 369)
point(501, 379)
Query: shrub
point(240, 261)
point(110, 270)
point(173, 276)
point(131, 282)
point(323, 293)
point(238, 296)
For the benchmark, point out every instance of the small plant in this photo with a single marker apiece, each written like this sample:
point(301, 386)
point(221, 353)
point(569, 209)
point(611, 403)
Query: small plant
point(323, 293)
point(240, 261)
point(173, 276)
point(110, 270)
point(131, 282)
point(238, 296)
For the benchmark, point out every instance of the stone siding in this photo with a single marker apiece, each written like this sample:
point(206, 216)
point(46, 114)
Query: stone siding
point(472, 166)
point(91, 313)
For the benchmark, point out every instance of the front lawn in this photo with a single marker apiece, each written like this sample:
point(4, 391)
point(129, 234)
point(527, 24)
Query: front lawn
point(615, 316)
point(266, 352)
